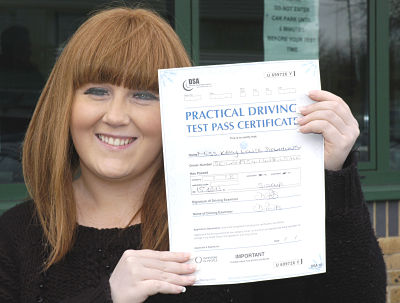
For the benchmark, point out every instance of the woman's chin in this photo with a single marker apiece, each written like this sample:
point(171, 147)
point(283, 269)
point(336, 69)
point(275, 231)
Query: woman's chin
point(113, 175)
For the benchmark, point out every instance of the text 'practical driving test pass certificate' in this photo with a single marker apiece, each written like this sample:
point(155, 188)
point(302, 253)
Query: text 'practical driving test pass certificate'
point(245, 189)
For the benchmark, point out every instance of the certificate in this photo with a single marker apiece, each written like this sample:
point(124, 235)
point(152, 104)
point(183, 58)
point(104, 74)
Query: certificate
point(245, 189)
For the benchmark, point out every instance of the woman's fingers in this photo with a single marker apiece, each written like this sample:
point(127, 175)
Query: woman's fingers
point(170, 262)
point(153, 287)
point(328, 101)
point(330, 114)
point(325, 115)
point(142, 273)
point(335, 142)
point(321, 95)
point(321, 127)
point(161, 255)
point(167, 266)
point(159, 275)
point(146, 265)
point(331, 117)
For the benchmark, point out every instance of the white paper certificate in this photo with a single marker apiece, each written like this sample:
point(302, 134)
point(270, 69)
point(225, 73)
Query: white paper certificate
point(245, 189)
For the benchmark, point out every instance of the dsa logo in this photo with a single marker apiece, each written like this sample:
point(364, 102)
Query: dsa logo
point(190, 83)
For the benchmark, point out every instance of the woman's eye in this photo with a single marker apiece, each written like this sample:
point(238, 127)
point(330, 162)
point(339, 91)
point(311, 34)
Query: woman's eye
point(96, 91)
point(145, 96)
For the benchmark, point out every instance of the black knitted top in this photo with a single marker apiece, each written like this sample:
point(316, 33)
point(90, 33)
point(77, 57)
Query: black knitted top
point(355, 267)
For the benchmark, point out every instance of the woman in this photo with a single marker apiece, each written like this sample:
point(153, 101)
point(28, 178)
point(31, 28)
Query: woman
point(92, 163)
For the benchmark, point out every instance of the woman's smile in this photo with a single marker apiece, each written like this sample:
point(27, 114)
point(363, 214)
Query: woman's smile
point(119, 142)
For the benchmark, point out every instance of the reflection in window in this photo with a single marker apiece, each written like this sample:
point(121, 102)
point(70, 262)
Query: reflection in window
point(231, 31)
point(20, 85)
point(394, 85)
point(344, 59)
point(31, 38)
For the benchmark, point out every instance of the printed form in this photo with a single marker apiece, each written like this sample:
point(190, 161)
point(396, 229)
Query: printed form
point(245, 189)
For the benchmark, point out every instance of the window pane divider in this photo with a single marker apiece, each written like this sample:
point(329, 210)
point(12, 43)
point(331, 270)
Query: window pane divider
point(382, 85)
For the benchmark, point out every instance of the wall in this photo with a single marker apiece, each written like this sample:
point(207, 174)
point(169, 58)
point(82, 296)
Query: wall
point(385, 220)
point(391, 250)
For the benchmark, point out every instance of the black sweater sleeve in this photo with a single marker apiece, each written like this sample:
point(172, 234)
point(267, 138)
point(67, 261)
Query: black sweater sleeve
point(355, 270)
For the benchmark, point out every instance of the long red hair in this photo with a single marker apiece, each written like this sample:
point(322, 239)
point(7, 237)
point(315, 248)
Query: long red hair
point(121, 46)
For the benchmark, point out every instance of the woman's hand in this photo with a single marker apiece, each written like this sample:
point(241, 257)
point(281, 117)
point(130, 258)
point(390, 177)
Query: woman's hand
point(331, 117)
point(143, 273)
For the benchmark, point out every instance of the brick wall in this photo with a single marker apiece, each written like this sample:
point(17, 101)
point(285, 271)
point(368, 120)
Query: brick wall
point(385, 218)
point(391, 253)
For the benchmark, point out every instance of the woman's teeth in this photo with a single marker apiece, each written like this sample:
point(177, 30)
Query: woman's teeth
point(115, 141)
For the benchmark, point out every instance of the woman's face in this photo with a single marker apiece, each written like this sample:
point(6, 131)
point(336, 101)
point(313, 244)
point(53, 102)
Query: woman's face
point(116, 131)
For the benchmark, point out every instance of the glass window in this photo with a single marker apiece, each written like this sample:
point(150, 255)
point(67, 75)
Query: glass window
point(32, 35)
point(394, 84)
point(232, 31)
point(343, 49)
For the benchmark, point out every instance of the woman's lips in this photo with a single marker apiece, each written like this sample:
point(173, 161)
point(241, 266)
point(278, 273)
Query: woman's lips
point(116, 141)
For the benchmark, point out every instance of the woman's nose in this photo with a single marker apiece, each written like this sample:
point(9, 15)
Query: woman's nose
point(116, 113)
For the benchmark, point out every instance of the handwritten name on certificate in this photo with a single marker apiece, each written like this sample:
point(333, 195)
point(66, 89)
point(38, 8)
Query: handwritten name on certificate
point(245, 189)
